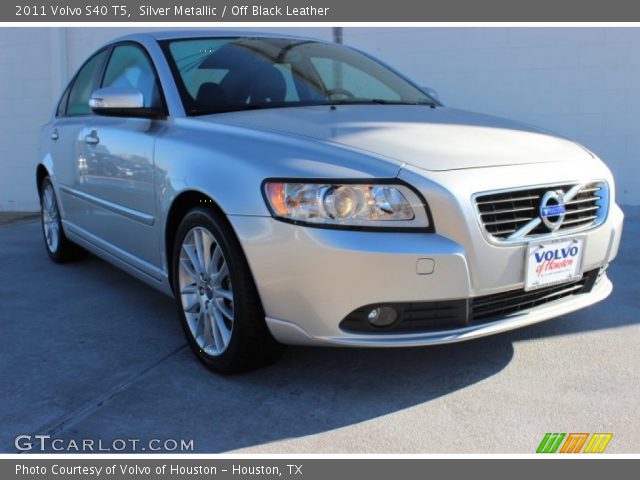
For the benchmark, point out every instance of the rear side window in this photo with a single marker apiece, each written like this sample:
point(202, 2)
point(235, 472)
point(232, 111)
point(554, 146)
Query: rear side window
point(129, 66)
point(84, 85)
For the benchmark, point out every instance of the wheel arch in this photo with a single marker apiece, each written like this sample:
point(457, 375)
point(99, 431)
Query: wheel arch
point(180, 206)
point(41, 174)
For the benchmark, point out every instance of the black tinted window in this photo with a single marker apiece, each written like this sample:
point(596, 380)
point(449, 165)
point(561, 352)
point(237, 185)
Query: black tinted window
point(84, 85)
point(224, 74)
point(129, 66)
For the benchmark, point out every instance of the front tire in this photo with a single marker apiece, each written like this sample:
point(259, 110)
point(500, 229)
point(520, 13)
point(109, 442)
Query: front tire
point(219, 306)
point(59, 247)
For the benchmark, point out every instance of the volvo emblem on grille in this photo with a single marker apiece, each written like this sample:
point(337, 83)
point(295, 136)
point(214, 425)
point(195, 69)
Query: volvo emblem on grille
point(541, 211)
point(552, 209)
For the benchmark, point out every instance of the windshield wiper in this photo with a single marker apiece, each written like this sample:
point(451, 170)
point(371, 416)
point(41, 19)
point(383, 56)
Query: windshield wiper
point(263, 106)
point(377, 101)
point(252, 106)
point(235, 108)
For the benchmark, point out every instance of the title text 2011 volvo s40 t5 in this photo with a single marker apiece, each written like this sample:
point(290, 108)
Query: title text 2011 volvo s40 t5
point(290, 191)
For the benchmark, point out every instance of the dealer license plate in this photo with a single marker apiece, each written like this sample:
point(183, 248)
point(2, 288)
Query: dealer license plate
point(553, 262)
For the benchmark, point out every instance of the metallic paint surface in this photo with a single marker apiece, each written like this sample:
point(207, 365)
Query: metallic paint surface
point(310, 278)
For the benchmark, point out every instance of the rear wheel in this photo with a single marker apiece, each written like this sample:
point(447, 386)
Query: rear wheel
point(221, 312)
point(59, 247)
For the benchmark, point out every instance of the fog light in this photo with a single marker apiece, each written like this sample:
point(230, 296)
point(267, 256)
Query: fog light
point(382, 316)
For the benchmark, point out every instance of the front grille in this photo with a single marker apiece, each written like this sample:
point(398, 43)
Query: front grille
point(504, 213)
point(507, 303)
point(450, 314)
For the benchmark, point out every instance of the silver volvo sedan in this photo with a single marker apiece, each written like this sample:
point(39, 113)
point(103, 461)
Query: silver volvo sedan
point(290, 191)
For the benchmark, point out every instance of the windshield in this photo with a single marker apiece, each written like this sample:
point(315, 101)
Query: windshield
point(227, 74)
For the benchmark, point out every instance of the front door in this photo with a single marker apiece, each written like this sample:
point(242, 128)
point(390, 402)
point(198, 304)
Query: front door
point(118, 171)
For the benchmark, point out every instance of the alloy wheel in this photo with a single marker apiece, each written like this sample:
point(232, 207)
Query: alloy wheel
point(50, 219)
point(206, 293)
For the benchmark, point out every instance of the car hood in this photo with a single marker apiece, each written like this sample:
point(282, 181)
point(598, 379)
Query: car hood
point(429, 138)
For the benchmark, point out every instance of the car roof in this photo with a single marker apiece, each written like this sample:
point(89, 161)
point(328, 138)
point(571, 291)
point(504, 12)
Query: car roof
point(204, 33)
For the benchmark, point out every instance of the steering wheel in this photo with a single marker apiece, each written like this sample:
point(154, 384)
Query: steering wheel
point(340, 91)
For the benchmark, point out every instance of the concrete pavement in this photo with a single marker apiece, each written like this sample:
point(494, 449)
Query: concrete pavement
point(91, 353)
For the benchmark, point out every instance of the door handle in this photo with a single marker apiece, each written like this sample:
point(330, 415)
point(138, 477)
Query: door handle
point(92, 138)
point(54, 135)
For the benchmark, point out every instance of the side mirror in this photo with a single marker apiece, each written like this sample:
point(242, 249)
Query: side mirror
point(121, 102)
point(432, 93)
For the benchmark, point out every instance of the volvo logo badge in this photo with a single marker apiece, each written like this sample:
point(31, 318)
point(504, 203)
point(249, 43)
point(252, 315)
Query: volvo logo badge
point(552, 209)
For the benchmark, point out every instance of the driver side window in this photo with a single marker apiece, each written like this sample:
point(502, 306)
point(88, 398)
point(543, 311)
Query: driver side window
point(83, 86)
point(129, 66)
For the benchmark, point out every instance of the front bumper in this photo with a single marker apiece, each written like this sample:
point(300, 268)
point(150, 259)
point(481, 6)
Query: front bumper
point(290, 333)
point(310, 279)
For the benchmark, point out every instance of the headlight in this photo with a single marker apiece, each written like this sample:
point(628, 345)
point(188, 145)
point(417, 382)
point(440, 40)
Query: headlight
point(375, 205)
